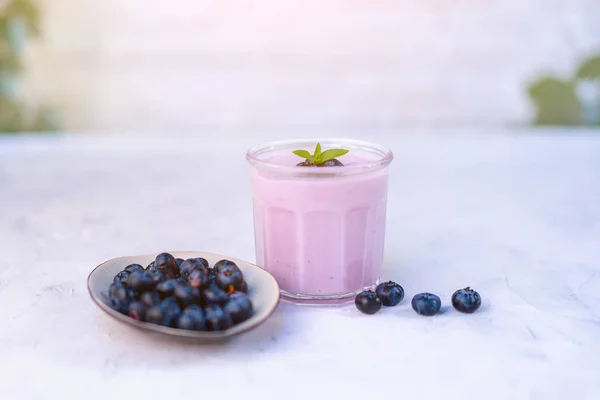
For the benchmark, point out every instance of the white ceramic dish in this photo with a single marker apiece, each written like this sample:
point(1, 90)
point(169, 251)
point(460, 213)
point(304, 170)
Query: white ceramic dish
point(262, 289)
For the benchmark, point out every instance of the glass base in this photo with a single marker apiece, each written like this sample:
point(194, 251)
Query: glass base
point(326, 300)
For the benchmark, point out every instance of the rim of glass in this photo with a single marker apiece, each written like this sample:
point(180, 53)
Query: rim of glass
point(385, 156)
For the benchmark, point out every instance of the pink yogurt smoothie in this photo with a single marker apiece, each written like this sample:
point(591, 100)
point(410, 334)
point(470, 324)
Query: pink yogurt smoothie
point(320, 235)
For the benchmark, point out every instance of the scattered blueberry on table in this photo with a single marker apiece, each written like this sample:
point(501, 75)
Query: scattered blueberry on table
point(390, 293)
point(184, 294)
point(466, 300)
point(426, 304)
point(368, 302)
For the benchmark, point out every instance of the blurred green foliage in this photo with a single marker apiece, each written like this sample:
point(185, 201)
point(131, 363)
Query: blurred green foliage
point(556, 101)
point(19, 22)
point(590, 69)
point(560, 102)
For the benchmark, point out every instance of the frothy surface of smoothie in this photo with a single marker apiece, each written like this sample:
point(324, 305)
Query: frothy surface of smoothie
point(320, 235)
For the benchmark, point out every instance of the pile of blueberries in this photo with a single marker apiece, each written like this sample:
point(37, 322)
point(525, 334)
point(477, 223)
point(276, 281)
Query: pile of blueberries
point(390, 294)
point(185, 294)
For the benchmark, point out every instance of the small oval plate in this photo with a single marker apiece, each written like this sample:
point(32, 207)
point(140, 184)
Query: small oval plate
point(262, 289)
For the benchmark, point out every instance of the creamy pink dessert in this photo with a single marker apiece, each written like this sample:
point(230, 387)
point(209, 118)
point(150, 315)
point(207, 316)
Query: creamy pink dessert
point(320, 230)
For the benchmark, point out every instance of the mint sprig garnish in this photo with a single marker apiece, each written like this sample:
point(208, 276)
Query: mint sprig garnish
point(319, 157)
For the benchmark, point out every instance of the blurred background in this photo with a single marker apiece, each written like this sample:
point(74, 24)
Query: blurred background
point(185, 66)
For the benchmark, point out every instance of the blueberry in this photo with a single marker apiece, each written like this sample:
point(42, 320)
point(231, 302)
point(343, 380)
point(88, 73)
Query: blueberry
point(121, 277)
point(163, 314)
point(134, 268)
point(151, 267)
point(120, 297)
point(331, 163)
point(229, 278)
point(214, 295)
point(202, 261)
point(166, 288)
point(217, 319)
point(239, 307)
point(187, 322)
point(192, 318)
point(390, 293)
point(157, 277)
point(367, 302)
point(191, 264)
point(137, 310)
point(193, 307)
point(187, 295)
point(113, 287)
point(223, 263)
point(199, 278)
point(120, 293)
point(243, 287)
point(211, 275)
point(179, 261)
point(166, 264)
point(305, 164)
point(150, 298)
point(157, 315)
point(140, 281)
point(172, 304)
point(466, 300)
point(426, 304)
point(173, 311)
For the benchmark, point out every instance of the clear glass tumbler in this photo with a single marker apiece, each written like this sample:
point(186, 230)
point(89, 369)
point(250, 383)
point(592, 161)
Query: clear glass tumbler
point(320, 231)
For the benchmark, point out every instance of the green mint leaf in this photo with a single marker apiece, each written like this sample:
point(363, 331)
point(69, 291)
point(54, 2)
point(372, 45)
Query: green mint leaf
point(332, 153)
point(304, 154)
point(320, 156)
point(317, 154)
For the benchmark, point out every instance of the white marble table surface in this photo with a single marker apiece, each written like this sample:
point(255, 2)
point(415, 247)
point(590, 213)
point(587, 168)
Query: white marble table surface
point(515, 214)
